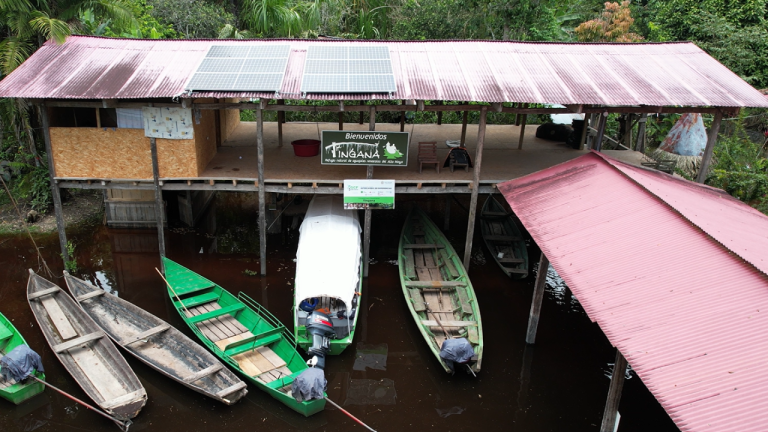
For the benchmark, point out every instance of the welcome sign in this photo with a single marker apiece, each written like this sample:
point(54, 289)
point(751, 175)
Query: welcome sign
point(364, 148)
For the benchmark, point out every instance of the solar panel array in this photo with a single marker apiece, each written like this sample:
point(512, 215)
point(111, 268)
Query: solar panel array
point(241, 68)
point(348, 69)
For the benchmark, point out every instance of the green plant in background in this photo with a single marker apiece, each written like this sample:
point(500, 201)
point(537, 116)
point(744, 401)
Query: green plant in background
point(71, 264)
point(250, 272)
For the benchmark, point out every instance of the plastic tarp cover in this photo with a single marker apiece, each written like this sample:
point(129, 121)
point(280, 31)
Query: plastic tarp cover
point(456, 351)
point(20, 363)
point(328, 258)
point(309, 385)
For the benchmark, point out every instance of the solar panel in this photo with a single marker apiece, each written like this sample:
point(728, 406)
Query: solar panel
point(241, 68)
point(348, 69)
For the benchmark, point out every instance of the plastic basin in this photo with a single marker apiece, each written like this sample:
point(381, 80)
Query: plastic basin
point(306, 147)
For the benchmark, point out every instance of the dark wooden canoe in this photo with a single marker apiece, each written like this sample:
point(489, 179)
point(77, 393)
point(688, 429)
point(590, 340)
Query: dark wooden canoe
point(158, 344)
point(85, 351)
point(10, 390)
point(432, 276)
point(504, 239)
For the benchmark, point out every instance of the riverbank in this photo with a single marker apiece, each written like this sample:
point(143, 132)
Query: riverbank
point(78, 207)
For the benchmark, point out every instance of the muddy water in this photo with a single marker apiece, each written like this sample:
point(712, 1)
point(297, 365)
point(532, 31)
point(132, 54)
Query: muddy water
point(394, 384)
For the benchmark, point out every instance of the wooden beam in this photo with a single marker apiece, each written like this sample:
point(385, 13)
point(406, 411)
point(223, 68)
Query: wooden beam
point(475, 183)
point(262, 192)
point(523, 120)
point(464, 117)
point(706, 159)
point(538, 297)
point(159, 207)
point(614, 394)
point(55, 188)
point(440, 114)
point(367, 220)
point(585, 128)
point(280, 121)
point(640, 140)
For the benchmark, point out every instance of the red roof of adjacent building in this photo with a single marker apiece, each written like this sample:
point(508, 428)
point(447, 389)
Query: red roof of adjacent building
point(674, 273)
point(668, 74)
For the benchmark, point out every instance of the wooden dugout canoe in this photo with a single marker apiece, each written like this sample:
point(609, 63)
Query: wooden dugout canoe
point(503, 239)
point(432, 276)
point(12, 391)
point(85, 351)
point(156, 343)
point(241, 333)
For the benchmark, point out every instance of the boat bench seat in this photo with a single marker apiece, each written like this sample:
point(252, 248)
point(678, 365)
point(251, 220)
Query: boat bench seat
point(143, 335)
point(510, 260)
point(5, 332)
point(210, 370)
point(231, 389)
point(473, 335)
point(466, 307)
point(43, 293)
point(433, 323)
point(284, 381)
point(502, 238)
point(516, 270)
point(417, 300)
point(229, 310)
point(200, 299)
point(252, 342)
point(191, 288)
point(90, 295)
point(77, 342)
point(422, 246)
point(434, 284)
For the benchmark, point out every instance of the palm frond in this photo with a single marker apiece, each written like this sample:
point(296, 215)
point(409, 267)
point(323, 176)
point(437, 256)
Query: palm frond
point(13, 52)
point(50, 28)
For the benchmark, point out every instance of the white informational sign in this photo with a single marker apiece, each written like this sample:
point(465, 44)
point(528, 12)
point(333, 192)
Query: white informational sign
point(170, 123)
point(369, 194)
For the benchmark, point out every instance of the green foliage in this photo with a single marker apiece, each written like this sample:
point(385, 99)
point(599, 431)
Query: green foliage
point(613, 25)
point(71, 264)
point(34, 186)
point(191, 18)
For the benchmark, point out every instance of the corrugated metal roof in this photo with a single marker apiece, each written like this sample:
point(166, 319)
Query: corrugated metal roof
point(669, 74)
point(659, 263)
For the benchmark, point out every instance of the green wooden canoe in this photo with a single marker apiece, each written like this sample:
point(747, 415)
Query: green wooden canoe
point(504, 239)
point(241, 333)
point(12, 391)
point(433, 277)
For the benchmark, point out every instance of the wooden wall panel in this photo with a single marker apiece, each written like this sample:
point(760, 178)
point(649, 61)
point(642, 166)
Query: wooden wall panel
point(177, 158)
point(205, 139)
point(229, 120)
point(99, 153)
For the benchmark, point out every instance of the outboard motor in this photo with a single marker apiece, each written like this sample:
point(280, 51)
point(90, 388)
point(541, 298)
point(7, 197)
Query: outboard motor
point(320, 326)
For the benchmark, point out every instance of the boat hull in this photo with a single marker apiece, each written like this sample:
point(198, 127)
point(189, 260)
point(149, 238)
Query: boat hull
point(437, 289)
point(503, 239)
point(197, 298)
point(19, 392)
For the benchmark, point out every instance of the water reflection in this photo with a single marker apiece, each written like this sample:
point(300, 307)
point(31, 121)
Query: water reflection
point(558, 290)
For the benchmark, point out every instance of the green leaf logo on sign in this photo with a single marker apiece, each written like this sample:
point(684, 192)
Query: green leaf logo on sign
point(364, 148)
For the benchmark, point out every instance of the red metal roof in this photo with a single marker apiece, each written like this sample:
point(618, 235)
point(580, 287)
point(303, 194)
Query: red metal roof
point(674, 273)
point(669, 74)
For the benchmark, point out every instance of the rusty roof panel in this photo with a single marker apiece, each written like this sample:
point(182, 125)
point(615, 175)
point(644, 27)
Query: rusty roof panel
point(673, 272)
point(670, 74)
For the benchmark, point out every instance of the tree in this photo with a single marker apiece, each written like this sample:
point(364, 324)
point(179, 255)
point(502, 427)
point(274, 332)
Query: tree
point(612, 25)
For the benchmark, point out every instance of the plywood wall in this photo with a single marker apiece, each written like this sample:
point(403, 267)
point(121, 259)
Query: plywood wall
point(99, 153)
point(229, 120)
point(205, 139)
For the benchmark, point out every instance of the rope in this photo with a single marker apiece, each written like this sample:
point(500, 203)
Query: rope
point(40, 258)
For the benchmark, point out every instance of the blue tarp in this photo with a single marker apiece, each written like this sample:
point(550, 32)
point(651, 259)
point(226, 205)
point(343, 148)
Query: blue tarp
point(309, 385)
point(20, 363)
point(456, 351)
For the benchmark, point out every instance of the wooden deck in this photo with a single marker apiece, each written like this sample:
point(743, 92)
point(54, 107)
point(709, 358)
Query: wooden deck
point(502, 161)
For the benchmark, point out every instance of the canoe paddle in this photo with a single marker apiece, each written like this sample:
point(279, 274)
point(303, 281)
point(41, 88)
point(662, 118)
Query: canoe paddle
point(122, 424)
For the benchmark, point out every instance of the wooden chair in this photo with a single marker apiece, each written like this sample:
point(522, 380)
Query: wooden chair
point(428, 155)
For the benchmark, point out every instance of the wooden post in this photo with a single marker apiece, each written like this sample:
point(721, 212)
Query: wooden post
point(361, 114)
point(447, 221)
point(464, 117)
point(628, 131)
point(522, 131)
point(159, 206)
point(341, 121)
point(475, 187)
point(402, 119)
point(367, 221)
point(280, 121)
point(60, 226)
point(439, 114)
point(262, 191)
point(614, 394)
point(711, 141)
point(600, 131)
point(640, 146)
point(538, 297)
point(584, 130)
point(592, 124)
point(518, 115)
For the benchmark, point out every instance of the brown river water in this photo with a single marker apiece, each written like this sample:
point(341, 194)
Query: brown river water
point(559, 384)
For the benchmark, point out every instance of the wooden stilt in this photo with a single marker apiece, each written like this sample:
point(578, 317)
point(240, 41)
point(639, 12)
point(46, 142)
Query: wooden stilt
point(628, 131)
point(538, 297)
point(447, 221)
point(600, 131)
point(584, 132)
point(523, 120)
point(464, 117)
point(640, 140)
point(475, 183)
point(60, 226)
point(367, 221)
point(614, 394)
point(706, 159)
point(517, 115)
point(439, 114)
point(402, 120)
point(262, 192)
point(280, 121)
point(159, 206)
point(592, 124)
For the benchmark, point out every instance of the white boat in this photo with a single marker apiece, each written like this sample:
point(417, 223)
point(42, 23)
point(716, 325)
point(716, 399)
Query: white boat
point(328, 277)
